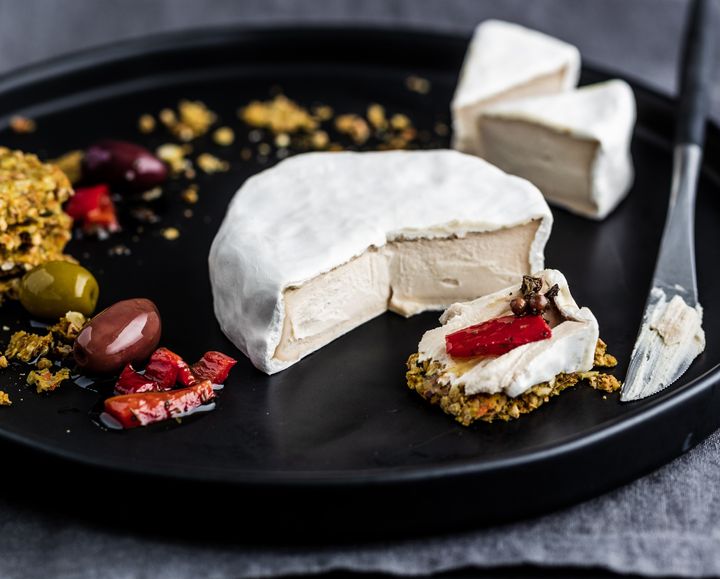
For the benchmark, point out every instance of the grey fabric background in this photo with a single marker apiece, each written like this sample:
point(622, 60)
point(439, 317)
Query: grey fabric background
point(665, 524)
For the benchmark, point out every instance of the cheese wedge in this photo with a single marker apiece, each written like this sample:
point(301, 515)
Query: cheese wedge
point(504, 62)
point(575, 146)
point(324, 242)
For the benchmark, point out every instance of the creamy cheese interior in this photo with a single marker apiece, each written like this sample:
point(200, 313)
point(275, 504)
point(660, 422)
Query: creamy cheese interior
point(575, 145)
point(559, 163)
point(505, 62)
point(404, 276)
point(570, 349)
point(468, 140)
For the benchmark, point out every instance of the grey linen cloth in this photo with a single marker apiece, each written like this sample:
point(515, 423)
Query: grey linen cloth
point(667, 523)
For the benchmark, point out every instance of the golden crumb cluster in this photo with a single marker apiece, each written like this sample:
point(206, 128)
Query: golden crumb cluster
point(191, 120)
point(27, 346)
point(280, 115)
point(292, 125)
point(38, 349)
point(33, 227)
point(425, 378)
point(47, 381)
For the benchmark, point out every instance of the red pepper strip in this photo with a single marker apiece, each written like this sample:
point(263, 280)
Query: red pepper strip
point(132, 410)
point(94, 207)
point(496, 337)
point(184, 373)
point(213, 366)
point(163, 368)
point(130, 382)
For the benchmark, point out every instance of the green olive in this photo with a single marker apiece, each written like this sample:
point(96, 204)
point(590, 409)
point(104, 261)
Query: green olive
point(57, 287)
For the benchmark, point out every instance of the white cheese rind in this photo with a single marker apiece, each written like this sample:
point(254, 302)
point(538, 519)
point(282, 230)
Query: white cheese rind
point(570, 349)
point(602, 113)
point(314, 212)
point(506, 61)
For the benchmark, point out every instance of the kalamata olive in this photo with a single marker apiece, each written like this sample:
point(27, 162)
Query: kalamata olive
point(125, 166)
point(54, 288)
point(127, 331)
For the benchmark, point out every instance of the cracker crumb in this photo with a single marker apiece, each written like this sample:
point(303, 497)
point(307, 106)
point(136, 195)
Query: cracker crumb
point(319, 140)
point(146, 124)
point(245, 153)
point(376, 116)
point(280, 115)
point(211, 164)
point(119, 250)
point(282, 140)
point(171, 233)
point(190, 194)
point(602, 358)
point(44, 364)
point(418, 84)
point(5, 399)
point(354, 126)
point(22, 125)
point(152, 194)
point(224, 136)
point(26, 347)
point(46, 381)
point(193, 119)
point(400, 122)
point(441, 129)
point(69, 326)
point(604, 382)
point(175, 156)
point(3, 362)
point(323, 112)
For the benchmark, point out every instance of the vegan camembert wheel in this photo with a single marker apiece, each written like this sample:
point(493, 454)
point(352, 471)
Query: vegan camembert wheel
point(324, 242)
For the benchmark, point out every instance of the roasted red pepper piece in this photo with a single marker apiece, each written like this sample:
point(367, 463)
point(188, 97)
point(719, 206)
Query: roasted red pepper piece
point(131, 382)
point(94, 207)
point(496, 337)
point(163, 368)
point(213, 366)
point(132, 410)
point(167, 357)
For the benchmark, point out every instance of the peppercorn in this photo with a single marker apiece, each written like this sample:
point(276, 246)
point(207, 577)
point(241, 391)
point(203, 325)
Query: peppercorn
point(518, 306)
point(537, 304)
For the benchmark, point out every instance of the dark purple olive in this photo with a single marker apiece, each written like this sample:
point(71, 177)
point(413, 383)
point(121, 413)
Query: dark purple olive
point(124, 166)
point(127, 331)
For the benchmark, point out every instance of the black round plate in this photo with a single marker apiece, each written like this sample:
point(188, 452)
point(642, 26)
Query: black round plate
point(338, 435)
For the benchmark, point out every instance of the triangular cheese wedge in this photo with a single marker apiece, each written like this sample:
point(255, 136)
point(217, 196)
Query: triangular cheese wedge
point(575, 146)
point(507, 61)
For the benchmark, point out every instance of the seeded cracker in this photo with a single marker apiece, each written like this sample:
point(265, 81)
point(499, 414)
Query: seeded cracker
point(423, 378)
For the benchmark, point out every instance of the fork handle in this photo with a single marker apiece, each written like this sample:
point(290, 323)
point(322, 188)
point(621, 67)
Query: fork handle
point(695, 72)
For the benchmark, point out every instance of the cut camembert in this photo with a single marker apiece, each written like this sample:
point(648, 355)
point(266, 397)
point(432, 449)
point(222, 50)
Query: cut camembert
point(324, 242)
point(507, 61)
